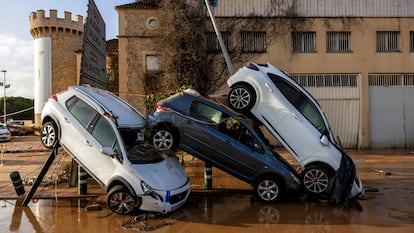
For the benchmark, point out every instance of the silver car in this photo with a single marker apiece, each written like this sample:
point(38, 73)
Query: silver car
point(297, 121)
point(103, 134)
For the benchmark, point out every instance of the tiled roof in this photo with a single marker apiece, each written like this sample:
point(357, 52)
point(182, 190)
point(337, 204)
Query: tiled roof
point(146, 4)
point(112, 46)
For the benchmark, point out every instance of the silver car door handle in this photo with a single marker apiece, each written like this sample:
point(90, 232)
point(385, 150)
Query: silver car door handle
point(87, 142)
point(268, 87)
point(66, 120)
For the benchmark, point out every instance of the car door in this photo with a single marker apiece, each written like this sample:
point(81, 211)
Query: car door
point(100, 135)
point(303, 124)
point(205, 136)
point(74, 123)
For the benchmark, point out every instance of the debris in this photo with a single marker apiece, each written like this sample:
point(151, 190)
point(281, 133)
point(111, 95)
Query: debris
point(382, 172)
point(93, 206)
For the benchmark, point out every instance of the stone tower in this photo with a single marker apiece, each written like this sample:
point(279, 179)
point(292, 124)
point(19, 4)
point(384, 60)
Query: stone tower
point(56, 41)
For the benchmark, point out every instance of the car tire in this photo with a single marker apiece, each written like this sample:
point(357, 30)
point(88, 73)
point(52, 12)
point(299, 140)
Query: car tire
point(241, 98)
point(121, 201)
point(268, 189)
point(164, 139)
point(316, 179)
point(49, 135)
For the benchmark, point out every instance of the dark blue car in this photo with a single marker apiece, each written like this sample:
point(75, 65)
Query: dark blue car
point(217, 135)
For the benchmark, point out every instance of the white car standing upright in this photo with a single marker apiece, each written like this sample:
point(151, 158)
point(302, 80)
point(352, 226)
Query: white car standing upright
point(103, 134)
point(297, 121)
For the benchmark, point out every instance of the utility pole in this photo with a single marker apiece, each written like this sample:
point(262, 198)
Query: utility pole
point(219, 37)
point(4, 99)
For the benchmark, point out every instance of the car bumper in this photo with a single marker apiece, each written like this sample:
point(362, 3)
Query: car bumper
point(5, 138)
point(346, 183)
point(171, 200)
point(357, 188)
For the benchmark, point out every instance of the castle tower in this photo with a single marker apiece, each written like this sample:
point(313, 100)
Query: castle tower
point(56, 41)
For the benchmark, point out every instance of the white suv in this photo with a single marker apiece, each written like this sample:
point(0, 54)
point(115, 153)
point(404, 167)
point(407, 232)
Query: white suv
point(103, 134)
point(295, 118)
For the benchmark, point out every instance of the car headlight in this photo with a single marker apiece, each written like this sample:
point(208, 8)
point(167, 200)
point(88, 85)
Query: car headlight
point(148, 191)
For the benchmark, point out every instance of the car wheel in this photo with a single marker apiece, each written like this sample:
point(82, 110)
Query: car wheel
point(49, 135)
point(316, 179)
point(120, 200)
point(241, 98)
point(164, 139)
point(268, 189)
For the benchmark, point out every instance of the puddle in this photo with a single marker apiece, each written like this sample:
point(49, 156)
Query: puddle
point(232, 213)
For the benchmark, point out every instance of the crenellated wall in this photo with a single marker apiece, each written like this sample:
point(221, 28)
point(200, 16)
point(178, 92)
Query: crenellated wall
point(56, 42)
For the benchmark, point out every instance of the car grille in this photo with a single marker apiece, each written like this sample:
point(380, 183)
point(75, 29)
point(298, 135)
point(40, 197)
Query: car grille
point(178, 197)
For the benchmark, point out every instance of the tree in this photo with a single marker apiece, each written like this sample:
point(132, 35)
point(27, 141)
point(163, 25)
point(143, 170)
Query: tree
point(18, 108)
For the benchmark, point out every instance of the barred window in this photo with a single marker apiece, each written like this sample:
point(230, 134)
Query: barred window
point(337, 42)
point(387, 80)
point(388, 41)
point(212, 43)
point(253, 42)
point(411, 41)
point(326, 80)
point(303, 42)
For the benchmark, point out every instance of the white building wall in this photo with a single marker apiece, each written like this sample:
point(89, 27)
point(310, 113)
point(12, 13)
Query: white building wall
point(42, 72)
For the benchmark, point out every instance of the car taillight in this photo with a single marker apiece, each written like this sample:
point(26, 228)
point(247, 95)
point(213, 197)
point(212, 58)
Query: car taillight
point(252, 66)
point(159, 108)
point(107, 115)
point(53, 97)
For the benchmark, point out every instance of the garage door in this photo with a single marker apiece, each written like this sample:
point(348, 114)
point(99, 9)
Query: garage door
point(391, 110)
point(339, 96)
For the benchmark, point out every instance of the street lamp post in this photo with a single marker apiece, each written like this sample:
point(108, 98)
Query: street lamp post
point(4, 99)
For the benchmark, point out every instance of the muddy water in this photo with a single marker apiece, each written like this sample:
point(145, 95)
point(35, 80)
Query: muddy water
point(217, 213)
point(387, 207)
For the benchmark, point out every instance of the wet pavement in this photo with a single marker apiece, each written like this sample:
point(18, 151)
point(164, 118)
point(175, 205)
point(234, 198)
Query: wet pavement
point(388, 205)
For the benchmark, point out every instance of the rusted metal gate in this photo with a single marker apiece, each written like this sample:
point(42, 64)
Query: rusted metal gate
point(391, 110)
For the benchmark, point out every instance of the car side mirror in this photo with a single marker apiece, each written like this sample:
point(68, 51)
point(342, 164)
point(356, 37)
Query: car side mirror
point(324, 140)
point(108, 151)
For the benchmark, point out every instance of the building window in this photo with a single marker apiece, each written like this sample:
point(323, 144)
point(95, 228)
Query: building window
point(153, 23)
point(388, 41)
point(326, 80)
point(303, 42)
point(212, 44)
point(253, 42)
point(411, 41)
point(338, 42)
point(153, 63)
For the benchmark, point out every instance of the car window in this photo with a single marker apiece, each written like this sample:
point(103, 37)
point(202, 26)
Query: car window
point(301, 102)
point(235, 129)
point(80, 110)
point(102, 131)
point(204, 112)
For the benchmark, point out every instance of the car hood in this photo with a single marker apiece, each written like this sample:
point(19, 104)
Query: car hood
point(165, 175)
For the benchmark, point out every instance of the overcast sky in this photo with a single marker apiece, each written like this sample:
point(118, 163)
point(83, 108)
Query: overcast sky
point(16, 43)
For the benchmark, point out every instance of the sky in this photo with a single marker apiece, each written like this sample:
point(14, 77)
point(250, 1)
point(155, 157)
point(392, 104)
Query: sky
point(16, 43)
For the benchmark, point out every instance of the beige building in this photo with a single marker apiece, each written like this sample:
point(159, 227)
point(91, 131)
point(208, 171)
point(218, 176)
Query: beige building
point(355, 56)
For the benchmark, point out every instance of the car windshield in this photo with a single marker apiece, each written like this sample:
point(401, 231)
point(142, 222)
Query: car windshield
point(139, 151)
point(3, 127)
point(142, 153)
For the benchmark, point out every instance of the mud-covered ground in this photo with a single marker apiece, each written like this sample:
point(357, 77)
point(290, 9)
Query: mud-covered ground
point(388, 205)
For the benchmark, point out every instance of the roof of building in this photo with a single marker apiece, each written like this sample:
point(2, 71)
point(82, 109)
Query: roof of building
point(143, 4)
point(112, 46)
